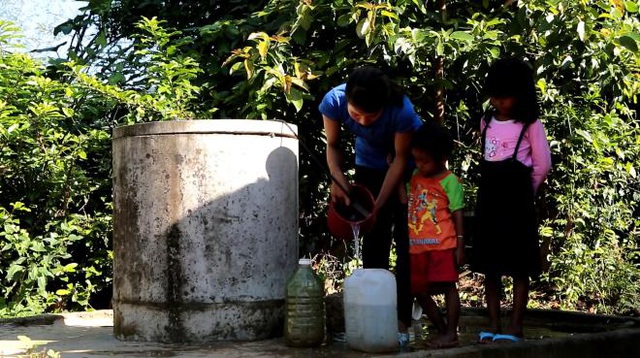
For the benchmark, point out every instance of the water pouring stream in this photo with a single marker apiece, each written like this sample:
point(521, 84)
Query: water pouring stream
point(356, 241)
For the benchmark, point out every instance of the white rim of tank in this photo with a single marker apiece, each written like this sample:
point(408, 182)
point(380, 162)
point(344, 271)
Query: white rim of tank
point(274, 128)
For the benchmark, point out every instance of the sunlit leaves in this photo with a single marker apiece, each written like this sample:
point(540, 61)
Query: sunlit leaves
point(580, 30)
point(630, 41)
point(54, 187)
point(271, 62)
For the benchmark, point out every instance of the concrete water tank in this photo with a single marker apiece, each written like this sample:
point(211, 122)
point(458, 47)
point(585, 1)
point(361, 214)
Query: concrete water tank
point(205, 229)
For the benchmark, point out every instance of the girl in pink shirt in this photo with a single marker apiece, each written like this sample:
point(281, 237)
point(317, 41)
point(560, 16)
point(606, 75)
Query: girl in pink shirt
point(515, 162)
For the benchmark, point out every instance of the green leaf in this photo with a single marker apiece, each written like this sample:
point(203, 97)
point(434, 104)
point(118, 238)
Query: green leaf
point(420, 5)
point(389, 14)
point(18, 205)
point(68, 112)
point(70, 267)
point(65, 28)
point(101, 40)
point(580, 29)
point(295, 97)
point(439, 48)
point(586, 135)
point(42, 285)
point(631, 170)
point(462, 36)
point(363, 28)
point(631, 6)
point(634, 35)
point(116, 78)
point(629, 43)
point(236, 67)
point(344, 20)
point(13, 271)
point(542, 84)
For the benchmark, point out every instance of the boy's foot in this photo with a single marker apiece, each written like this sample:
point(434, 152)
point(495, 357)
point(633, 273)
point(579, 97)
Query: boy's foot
point(444, 341)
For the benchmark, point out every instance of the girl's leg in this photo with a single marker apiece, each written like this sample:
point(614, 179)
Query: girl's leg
point(492, 290)
point(520, 299)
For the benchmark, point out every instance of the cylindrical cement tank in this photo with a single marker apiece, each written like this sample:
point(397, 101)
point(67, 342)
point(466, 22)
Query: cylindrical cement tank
point(205, 229)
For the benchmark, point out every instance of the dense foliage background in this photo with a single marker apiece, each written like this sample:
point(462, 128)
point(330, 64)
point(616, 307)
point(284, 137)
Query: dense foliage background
point(135, 61)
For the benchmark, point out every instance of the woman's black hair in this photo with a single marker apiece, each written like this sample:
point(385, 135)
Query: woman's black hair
point(370, 90)
point(433, 139)
point(511, 77)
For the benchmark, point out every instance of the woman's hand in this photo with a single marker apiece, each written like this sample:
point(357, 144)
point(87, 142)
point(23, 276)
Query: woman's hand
point(338, 195)
point(397, 167)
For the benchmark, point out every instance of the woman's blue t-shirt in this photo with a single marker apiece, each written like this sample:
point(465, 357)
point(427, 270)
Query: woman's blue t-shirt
point(375, 141)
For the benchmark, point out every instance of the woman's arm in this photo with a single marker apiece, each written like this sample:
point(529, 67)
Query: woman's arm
point(334, 160)
point(396, 169)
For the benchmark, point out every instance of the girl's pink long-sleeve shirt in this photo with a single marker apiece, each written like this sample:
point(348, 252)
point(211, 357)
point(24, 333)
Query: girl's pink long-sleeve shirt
point(501, 140)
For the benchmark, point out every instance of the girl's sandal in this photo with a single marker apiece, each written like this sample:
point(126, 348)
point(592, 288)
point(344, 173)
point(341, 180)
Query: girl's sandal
point(485, 337)
point(507, 338)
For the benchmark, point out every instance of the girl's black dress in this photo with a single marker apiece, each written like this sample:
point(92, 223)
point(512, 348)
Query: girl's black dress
point(505, 238)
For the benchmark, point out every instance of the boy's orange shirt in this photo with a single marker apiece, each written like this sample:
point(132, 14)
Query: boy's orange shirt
point(431, 202)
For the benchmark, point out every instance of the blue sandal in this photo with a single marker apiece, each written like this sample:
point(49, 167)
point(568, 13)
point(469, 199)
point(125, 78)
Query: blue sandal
point(506, 337)
point(485, 337)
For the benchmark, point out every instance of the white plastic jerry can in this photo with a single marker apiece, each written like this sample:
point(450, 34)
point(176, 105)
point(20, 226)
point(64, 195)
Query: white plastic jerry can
point(370, 313)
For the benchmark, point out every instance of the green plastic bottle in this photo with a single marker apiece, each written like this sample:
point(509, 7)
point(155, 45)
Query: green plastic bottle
point(304, 308)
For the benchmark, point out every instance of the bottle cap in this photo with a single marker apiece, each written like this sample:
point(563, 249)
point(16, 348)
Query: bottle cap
point(304, 262)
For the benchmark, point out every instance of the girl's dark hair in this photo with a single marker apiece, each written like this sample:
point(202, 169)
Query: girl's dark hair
point(433, 139)
point(370, 90)
point(511, 77)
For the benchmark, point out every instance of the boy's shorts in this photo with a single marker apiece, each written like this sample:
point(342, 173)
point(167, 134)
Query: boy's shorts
point(432, 267)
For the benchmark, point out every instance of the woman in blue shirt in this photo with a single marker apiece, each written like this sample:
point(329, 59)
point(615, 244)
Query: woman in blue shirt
point(382, 118)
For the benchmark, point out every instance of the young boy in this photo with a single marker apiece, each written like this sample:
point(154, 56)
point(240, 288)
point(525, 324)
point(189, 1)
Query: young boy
point(435, 230)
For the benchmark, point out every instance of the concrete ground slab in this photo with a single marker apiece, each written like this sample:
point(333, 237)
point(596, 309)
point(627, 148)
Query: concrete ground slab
point(551, 334)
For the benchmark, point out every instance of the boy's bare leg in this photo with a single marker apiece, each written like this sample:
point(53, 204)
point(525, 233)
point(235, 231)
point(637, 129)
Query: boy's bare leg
point(448, 337)
point(432, 311)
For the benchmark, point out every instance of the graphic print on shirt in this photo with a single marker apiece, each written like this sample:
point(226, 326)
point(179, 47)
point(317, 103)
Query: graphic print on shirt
point(491, 147)
point(422, 211)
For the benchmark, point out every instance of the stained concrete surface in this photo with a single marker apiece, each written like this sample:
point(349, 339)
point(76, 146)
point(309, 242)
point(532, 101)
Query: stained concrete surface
point(90, 334)
point(550, 334)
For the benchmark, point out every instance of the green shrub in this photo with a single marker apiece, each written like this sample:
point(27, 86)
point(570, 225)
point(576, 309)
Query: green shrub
point(54, 189)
